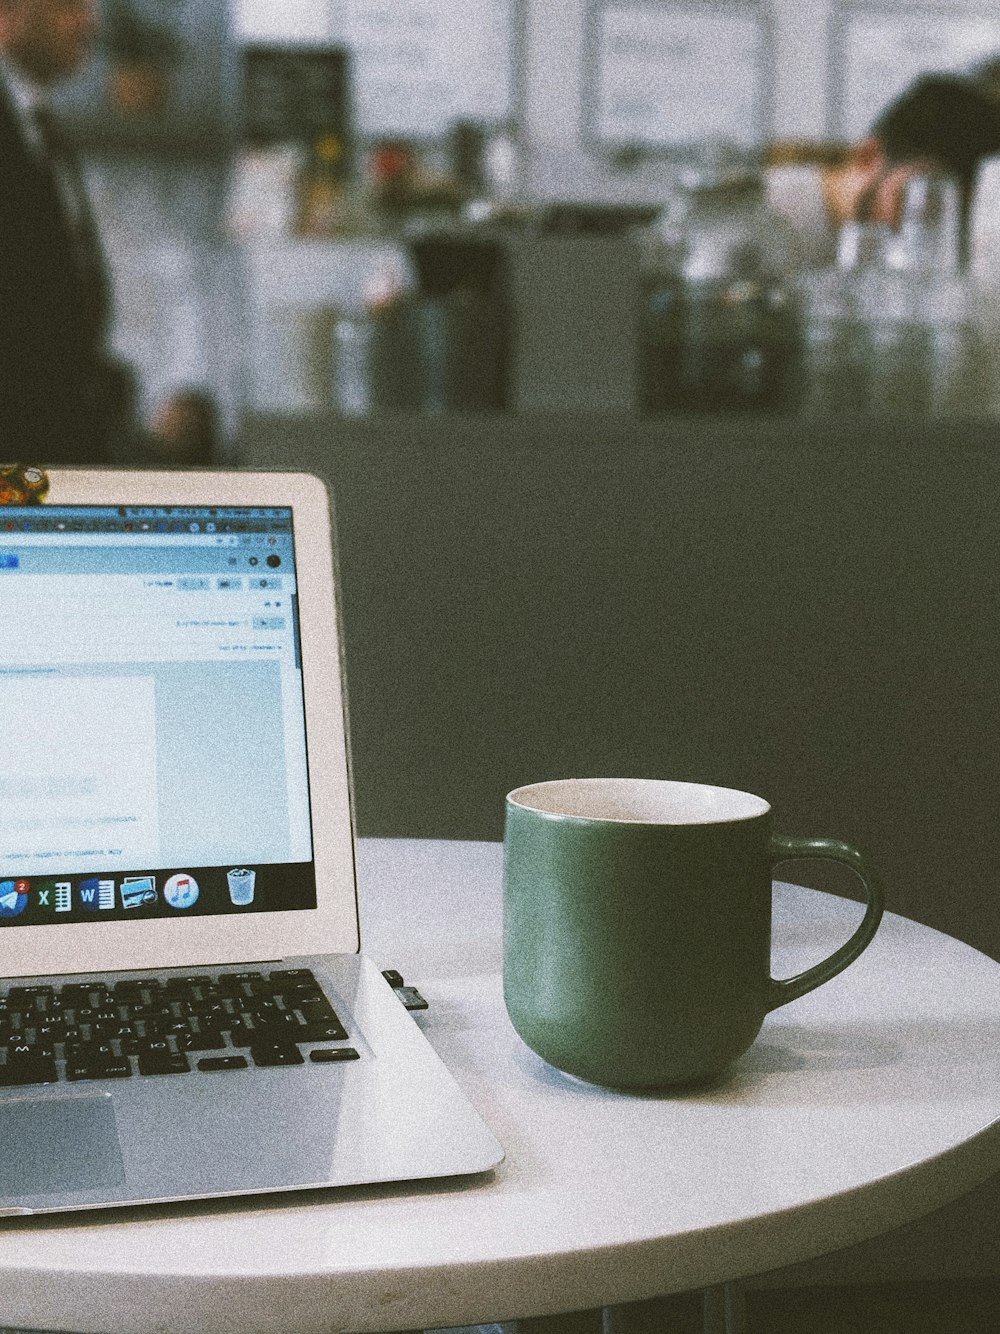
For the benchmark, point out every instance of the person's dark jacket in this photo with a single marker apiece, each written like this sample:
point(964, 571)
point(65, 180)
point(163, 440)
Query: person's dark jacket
point(55, 378)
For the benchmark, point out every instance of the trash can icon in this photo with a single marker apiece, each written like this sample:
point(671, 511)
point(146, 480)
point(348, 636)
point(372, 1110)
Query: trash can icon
point(241, 884)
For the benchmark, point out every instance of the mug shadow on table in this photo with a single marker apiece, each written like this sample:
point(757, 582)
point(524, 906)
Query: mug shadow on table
point(794, 1065)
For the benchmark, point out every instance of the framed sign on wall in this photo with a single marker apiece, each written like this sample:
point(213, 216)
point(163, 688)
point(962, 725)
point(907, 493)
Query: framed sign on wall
point(295, 93)
point(421, 65)
point(670, 76)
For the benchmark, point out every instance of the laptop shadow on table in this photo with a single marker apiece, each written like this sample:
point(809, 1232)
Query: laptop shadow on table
point(219, 1206)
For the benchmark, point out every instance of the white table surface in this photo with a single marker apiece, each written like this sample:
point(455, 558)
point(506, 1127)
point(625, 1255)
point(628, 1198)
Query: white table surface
point(861, 1106)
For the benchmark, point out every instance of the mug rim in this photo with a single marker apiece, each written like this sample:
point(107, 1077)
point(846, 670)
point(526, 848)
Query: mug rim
point(754, 807)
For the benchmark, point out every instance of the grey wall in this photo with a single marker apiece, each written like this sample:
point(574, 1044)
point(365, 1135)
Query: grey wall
point(808, 612)
point(812, 614)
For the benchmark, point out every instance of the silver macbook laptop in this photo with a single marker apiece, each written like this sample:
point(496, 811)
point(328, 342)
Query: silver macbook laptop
point(184, 1008)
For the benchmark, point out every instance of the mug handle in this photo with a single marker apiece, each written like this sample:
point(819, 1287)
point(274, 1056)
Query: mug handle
point(782, 849)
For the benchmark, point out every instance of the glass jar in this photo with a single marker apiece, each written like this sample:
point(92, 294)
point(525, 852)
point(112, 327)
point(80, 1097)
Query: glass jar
point(719, 329)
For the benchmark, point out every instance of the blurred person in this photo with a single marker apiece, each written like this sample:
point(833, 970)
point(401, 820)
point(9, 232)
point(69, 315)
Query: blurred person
point(185, 430)
point(945, 124)
point(941, 123)
point(58, 382)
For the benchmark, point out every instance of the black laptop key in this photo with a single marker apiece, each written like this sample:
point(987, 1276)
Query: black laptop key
point(90, 1053)
point(185, 986)
point(155, 1028)
point(116, 1067)
point(54, 1031)
point(223, 1063)
point(274, 1037)
point(291, 976)
point(146, 1045)
point(236, 984)
point(279, 1021)
point(322, 1032)
point(131, 988)
point(163, 1063)
point(120, 1069)
point(40, 1070)
point(84, 994)
point(276, 1053)
point(25, 1050)
point(302, 998)
point(316, 1009)
point(229, 985)
point(207, 1041)
point(327, 1055)
point(211, 1023)
point(114, 1028)
point(25, 997)
point(173, 1027)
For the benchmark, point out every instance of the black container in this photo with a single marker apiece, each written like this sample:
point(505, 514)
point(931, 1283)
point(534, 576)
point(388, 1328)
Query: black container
point(446, 347)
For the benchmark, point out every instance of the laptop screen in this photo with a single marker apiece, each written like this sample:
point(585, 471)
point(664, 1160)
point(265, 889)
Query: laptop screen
point(153, 746)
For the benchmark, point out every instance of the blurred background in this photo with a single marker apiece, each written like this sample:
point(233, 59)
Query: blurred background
point(364, 206)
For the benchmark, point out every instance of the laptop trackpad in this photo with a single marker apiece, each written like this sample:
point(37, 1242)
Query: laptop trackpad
point(59, 1144)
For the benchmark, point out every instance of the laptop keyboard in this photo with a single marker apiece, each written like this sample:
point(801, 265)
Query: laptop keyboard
point(148, 1026)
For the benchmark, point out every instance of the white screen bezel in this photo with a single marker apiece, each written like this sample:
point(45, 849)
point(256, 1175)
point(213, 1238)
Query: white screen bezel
point(332, 926)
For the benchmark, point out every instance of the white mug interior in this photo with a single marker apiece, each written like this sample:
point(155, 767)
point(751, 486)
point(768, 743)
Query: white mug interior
point(639, 801)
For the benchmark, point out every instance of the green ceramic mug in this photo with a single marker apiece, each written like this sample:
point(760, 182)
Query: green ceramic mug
point(637, 926)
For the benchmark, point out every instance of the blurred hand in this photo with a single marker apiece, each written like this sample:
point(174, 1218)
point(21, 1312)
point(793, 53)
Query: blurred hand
point(847, 188)
point(866, 188)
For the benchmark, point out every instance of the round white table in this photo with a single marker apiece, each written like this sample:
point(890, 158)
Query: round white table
point(861, 1106)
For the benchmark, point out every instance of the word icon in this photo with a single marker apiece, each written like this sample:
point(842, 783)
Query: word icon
point(97, 893)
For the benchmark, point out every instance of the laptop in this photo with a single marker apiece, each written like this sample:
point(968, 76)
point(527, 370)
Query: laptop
point(184, 1008)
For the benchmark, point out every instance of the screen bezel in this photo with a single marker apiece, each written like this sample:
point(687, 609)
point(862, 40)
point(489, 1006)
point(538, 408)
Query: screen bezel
point(331, 927)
